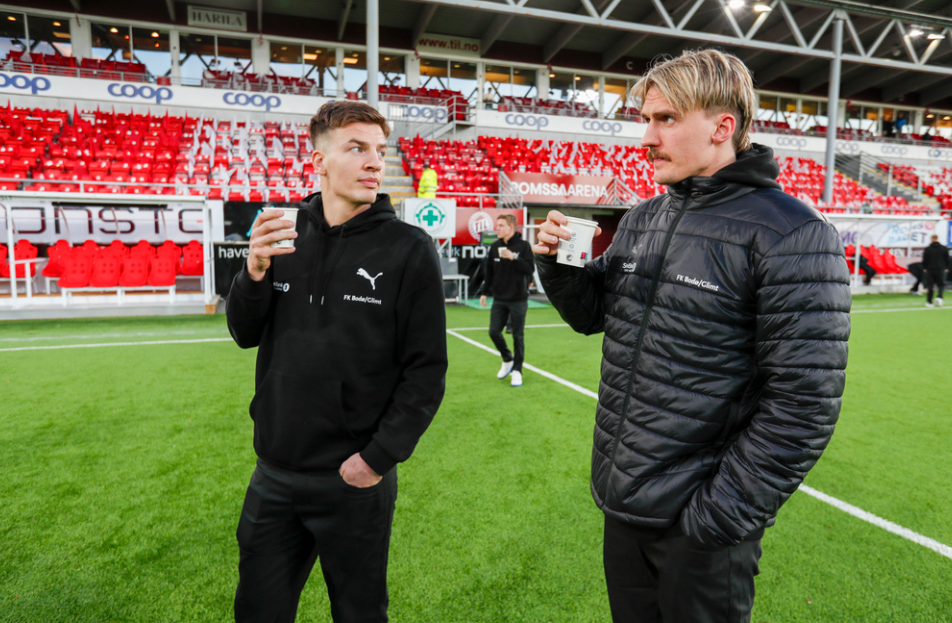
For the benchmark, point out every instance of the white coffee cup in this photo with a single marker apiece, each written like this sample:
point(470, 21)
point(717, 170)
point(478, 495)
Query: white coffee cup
point(290, 214)
point(577, 250)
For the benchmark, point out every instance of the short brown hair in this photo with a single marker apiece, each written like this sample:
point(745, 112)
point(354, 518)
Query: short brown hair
point(338, 114)
point(708, 80)
point(509, 218)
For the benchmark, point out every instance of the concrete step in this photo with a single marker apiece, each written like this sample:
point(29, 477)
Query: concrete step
point(392, 170)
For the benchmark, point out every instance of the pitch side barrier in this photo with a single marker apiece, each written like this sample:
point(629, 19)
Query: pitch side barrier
point(44, 218)
point(904, 236)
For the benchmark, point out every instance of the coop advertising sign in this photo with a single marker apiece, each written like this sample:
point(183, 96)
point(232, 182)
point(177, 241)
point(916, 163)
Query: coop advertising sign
point(471, 222)
point(514, 121)
point(436, 217)
point(548, 188)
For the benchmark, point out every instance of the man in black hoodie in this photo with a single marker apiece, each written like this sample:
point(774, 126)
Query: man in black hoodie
point(509, 268)
point(351, 335)
point(725, 307)
point(935, 261)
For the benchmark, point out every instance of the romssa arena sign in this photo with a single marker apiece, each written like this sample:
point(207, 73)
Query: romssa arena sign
point(567, 189)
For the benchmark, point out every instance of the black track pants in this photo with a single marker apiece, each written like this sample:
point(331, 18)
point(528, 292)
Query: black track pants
point(500, 313)
point(671, 580)
point(289, 520)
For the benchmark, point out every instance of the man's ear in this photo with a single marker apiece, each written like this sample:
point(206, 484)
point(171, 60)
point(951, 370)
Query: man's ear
point(725, 124)
point(317, 159)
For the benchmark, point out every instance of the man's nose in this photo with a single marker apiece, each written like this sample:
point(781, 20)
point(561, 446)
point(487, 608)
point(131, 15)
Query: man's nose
point(650, 138)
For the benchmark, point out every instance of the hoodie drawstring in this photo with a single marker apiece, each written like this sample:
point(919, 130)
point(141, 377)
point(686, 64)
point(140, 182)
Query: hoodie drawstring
point(329, 268)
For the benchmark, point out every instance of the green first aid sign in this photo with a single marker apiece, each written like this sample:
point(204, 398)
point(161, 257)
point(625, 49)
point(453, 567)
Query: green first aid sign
point(436, 217)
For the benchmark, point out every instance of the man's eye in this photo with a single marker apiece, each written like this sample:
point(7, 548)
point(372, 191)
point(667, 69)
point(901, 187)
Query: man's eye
point(356, 149)
point(382, 154)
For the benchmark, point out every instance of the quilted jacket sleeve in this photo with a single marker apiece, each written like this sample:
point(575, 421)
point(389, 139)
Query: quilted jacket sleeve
point(803, 324)
point(576, 292)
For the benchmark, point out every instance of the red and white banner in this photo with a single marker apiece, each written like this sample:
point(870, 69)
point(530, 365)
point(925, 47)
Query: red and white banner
point(470, 222)
point(549, 188)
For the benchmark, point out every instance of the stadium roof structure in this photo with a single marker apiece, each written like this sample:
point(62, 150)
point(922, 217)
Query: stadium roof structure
point(893, 51)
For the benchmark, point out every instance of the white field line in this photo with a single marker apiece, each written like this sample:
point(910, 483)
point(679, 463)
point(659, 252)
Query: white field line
point(155, 343)
point(923, 308)
point(39, 338)
point(885, 524)
point(150, 333)
point(547, 375)
point(915, 537)
point(528, 326)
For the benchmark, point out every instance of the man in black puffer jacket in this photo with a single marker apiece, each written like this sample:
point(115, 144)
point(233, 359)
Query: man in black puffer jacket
point(725, 306)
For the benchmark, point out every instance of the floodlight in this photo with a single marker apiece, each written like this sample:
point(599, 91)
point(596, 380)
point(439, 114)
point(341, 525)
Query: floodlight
point(736, 4)
point(936, 35)
point(761, 7)
point(915, 32)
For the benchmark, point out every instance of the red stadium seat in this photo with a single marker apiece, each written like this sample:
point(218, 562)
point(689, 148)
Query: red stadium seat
point(193, 259)
point(163, 271)
point(76, 269)
point(106, 270)
point(135, 271)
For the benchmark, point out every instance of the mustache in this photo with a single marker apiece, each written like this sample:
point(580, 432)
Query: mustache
point(653, 155)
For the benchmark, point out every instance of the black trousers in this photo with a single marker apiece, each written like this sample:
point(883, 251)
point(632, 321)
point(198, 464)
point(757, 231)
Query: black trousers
point(668, 579)
point(934, 282)
point(289, 520)
point(501, 312)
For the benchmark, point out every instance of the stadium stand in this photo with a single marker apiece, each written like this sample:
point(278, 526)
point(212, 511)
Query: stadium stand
point(58, 65)
point(546, 107)
point(934, 181)
point(108, 152)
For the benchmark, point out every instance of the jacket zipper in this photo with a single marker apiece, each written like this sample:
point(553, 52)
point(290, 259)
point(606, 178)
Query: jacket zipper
point(641, 336)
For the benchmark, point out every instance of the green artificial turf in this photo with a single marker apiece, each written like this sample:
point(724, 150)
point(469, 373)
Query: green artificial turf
point(125, 467)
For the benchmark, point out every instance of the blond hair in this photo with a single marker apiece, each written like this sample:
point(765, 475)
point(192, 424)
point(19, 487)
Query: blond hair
point(510, 219)
point(708, 80)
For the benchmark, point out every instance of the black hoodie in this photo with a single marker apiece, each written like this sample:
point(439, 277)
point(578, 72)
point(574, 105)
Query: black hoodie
point(935, 258)
point(508, 280)
point(351, 330)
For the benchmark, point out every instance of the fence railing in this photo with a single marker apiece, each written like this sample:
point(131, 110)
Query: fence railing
point(509, 195)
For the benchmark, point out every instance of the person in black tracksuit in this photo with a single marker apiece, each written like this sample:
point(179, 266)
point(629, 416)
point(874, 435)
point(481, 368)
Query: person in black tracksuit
point(725, 306)
point(351, 334)
point(509, 269)
point(935, 261)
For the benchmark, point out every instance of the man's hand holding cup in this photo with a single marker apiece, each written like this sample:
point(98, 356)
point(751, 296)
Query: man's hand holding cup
point(551, 232)
point(268, 229)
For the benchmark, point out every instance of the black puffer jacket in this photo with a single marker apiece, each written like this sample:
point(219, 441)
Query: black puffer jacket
point(725, 306)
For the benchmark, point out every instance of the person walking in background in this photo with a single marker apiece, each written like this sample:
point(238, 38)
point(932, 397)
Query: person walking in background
point(935, 261)
point(429, 183)
point(869, 271)
point(509, 269)
point(915, 269)
point(725, 306)
point(351, 334)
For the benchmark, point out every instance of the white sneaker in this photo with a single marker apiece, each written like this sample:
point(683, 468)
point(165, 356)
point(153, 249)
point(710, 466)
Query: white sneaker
point(504, 370)
point(516, 380)
point(938, 302)
point(928, 304)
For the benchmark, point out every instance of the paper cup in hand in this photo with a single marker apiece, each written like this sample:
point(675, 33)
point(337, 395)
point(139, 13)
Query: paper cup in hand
point(290, 214)
point(577, 250)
